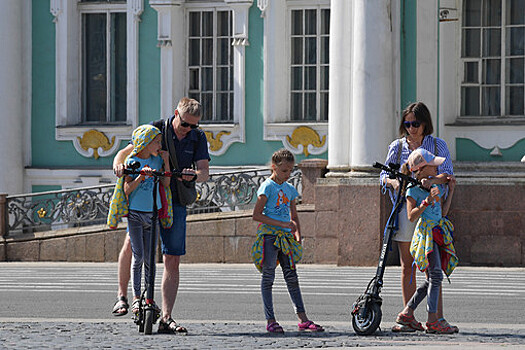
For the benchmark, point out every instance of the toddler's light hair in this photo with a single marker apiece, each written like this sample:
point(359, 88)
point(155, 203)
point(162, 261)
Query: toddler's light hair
point(190, 106)
point(281, 156)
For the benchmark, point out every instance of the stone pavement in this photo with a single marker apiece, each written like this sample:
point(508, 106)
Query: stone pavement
point(122, 334)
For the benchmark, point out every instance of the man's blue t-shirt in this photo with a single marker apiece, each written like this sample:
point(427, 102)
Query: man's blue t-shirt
point(279, 197)
point(141, 198)
point(433, 211)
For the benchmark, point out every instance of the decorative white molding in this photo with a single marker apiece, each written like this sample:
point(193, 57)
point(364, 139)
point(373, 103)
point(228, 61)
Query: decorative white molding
point(240, 42)
point(263, 5)
point(68, 73)
point(496, 152)
point(67, 178)
point(135, 8)
point(56, 9)
point(284, 132)
point(488, 137)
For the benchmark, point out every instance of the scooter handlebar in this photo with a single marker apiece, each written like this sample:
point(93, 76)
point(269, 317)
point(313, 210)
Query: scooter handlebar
point(177, 174)
point(391, 169)
point(154, 173)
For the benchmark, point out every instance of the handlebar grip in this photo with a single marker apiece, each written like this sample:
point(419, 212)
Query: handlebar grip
point(153, 173)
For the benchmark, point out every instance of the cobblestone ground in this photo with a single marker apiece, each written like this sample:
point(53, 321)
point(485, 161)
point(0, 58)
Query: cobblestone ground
point(239, 335)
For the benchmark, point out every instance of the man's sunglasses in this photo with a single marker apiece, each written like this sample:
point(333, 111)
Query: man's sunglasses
point(187, 125)
point(415, 124)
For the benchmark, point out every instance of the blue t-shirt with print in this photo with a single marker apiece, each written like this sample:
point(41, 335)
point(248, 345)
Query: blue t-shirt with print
point(141, 198)
point(279, 197)
point(433, 211)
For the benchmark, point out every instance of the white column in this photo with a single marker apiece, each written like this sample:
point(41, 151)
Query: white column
point(170, 38)
point(373, 111)
point(340, 98)
point(11, 96)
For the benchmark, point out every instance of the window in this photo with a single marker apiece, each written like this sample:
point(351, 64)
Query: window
point(493, 58)
point(97, 45)
point(104, 67)
point(309, 50)
point(210, 63)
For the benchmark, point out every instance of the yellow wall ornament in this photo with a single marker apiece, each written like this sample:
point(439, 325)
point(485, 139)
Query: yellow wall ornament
point(94, 139)
point(305, 136)
point(215, 142)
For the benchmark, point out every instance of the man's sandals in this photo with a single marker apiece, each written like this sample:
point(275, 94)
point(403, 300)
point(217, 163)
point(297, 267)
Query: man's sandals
point(121, 306)
point(171, 327)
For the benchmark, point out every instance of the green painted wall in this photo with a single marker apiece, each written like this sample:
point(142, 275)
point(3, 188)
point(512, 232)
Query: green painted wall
point(408, 52)
point(468, 150)
point(50, 153)
point(45, 188)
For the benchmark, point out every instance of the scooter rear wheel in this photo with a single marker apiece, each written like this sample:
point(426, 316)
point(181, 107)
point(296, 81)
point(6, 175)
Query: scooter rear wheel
point(370, 322)
point(148, 321)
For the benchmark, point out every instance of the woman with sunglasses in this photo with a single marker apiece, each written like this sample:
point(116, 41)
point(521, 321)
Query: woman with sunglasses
point(415, 132)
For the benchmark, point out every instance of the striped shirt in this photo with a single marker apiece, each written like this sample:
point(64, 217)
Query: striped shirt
point(429, 144)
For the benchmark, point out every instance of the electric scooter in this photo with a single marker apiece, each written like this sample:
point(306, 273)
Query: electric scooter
point(366, 311)
point(148, 313)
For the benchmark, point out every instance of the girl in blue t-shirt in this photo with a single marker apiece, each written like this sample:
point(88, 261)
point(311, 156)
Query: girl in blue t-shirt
point(147, 151)
point(431, 245)
point(278, 240)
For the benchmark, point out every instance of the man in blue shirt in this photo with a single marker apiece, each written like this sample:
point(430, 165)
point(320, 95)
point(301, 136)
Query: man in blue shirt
point(191, 147)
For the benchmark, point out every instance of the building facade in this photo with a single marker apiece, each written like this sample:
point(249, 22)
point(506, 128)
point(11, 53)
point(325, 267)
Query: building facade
point(325, 79)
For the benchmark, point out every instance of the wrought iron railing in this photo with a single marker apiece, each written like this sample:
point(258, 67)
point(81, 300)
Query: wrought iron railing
point(51, 210)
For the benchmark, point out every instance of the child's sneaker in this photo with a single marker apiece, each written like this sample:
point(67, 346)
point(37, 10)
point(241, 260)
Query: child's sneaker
point(444, 323)
point(309, 326)
point(408, 321)
point(438, 328)
point(402, 328)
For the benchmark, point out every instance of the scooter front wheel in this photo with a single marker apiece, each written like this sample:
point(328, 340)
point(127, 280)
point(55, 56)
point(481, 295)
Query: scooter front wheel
point(367, 324)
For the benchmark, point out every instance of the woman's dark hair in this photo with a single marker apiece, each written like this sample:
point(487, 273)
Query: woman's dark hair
point(422, 115)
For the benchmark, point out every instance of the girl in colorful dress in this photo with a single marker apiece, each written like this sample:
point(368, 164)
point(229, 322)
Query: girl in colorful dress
point(278, 240)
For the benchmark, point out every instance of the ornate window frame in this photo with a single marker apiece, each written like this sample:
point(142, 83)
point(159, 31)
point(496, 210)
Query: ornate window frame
point(298, 137)
point(90, 141)
point(172, 30)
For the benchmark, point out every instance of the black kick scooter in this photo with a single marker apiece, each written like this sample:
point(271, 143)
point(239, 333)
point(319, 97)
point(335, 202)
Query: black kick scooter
point(148, 313)
point(366, 311)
